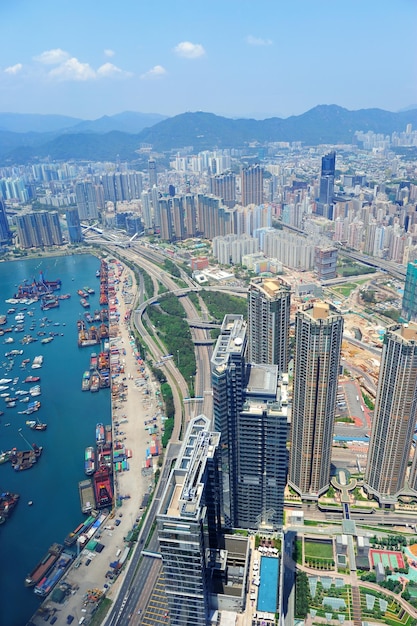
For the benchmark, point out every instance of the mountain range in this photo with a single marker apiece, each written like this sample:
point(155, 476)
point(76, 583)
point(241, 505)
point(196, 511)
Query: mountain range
point(24, 138)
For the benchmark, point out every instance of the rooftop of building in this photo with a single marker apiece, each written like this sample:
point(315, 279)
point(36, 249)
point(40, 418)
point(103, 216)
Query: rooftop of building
point(271, 287)
point(182, 497)
point(230, 341)
point(319, 310)
point(406, 332)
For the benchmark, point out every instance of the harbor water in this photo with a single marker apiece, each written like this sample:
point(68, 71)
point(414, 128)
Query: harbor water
point(71, 415)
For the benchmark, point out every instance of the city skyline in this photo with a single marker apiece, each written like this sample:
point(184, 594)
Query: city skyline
point(73, 60)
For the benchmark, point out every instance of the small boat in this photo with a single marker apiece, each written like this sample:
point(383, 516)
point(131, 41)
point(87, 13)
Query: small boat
point(36, 425)
point(89, 461)
point(32, 379)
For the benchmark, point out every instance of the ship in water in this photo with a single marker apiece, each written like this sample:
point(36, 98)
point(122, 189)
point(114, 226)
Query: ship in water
point(23, 460)
point(8, 502)
point(47, 583)
point(72, 537)
point(36, 425)
point(89, 461)
point(85, 384)
point(49, 301)
point(37, 288)
point(95, 381)
point(86, 491)
point(32, 379)
point(44, 565)
point(100, 434)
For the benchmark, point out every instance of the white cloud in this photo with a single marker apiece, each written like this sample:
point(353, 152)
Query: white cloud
point(109, 53)
point(189, 50)
point(108, 70)
point(13, 69)
point(155, 72)
point(258, 41)
point(52, 57)
point(73, 69)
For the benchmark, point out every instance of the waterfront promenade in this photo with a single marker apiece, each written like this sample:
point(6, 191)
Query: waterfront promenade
point(87, 576)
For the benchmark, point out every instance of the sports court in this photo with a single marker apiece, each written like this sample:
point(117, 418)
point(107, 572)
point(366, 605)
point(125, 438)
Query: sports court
point(389, 558)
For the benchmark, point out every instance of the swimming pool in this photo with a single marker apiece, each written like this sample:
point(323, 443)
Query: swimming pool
point(268, 588)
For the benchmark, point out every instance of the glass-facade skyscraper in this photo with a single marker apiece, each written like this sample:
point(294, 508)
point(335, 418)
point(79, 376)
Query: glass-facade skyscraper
point(409, 304)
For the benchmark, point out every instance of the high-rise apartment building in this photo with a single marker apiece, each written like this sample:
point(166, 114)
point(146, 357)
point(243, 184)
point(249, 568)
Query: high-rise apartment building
point(189, 525)
point(318, 341)
point(269, 307)
point(178, 215)
point(409, 304)
point(74, 227)
point(224, 186)
point(39, 229)
point(5, 233)
point(190, 215)
point(249, 407)
point(252, 181)
point(395, 416)
point(86, 198)
point(165, 213)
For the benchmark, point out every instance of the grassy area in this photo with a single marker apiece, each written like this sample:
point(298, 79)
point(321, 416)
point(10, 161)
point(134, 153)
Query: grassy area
point(345, 290)
point(103, 609)
point(395, 615)
point(313, 550)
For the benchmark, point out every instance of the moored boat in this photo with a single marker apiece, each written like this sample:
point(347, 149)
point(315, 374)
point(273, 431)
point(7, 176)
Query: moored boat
point(85, 384)
point(42, 568)
point(89, 461)
point(32, 379)
point(100, 434)
point(47, 583)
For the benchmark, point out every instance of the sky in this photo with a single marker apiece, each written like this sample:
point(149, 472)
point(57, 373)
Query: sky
point(235, 58)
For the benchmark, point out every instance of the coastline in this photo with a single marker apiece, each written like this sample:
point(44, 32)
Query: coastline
point(128, 416)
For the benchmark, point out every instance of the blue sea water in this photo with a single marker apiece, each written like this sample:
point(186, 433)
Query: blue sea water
point(71, 415)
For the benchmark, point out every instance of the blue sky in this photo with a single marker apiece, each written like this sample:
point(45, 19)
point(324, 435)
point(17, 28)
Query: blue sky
point(231, 57)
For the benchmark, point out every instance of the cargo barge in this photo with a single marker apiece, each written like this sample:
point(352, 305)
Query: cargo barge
point(8, 502)
point(72, 537)
point(44, 565)
point(89, 461)
point(48, 582)
point(86, 491)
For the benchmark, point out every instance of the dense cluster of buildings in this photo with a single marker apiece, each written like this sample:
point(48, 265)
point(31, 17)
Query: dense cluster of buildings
point(233, 470)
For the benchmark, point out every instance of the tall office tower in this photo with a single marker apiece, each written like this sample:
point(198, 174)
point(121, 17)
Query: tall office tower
point(228, 379)
point(188, 525)
point(325, 262)
point(395, 416)
point(409, 304)
point(269, 307)
point(146, 209)
point(5, 232)
point(178, 214)
point(252, 182)
point(190, 215)
point(261, 466)
point(166, 232)
point(155, 196)
point(153, 176)
point(74, 227)
point(224, 186)
point(86, 201)
point(326, 192)
point(318, 340)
